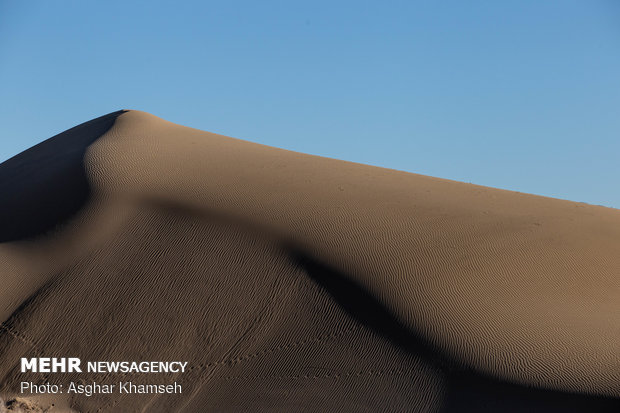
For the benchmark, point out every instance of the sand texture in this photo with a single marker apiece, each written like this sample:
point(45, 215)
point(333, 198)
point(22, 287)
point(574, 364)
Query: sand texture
point(294, 283)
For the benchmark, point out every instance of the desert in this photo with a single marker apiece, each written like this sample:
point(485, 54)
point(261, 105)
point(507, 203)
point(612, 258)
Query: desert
point(293, 282)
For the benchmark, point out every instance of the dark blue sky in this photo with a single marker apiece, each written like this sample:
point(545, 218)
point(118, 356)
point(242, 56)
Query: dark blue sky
point(521, 95)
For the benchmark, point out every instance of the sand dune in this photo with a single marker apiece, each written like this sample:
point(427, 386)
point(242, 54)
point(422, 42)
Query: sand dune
point(292, 282)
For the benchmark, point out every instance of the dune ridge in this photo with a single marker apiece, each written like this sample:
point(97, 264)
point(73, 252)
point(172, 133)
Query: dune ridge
point(293, 282)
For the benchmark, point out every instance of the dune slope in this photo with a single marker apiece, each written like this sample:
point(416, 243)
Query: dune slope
point(292, 282)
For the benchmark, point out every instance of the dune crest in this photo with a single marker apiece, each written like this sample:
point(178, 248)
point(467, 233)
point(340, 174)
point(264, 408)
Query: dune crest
point(296, 282)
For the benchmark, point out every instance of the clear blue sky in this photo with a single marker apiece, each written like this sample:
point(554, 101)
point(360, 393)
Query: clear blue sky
point(522, 95)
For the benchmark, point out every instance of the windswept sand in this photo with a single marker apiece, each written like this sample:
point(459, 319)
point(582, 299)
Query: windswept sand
point(292, 282)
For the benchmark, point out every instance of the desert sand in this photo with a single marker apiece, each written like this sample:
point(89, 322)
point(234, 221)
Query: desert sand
point(290, 282)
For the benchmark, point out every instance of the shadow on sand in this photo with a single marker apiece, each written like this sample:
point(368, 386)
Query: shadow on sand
point(46, 185)
point(466, 390)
